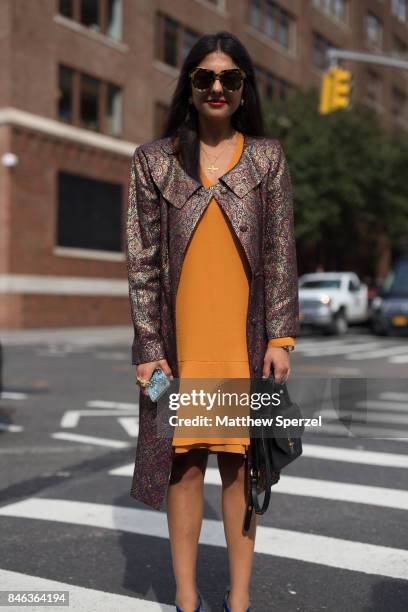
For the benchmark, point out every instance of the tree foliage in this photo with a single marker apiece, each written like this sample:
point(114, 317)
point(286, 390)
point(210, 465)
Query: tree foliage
point(348, 174)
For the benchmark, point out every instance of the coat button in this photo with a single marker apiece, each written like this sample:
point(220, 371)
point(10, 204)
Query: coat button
point(243, 228)
point(258, 273)
point(253, 320)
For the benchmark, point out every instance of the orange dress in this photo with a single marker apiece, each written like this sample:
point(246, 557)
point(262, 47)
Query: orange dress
point(211, 311)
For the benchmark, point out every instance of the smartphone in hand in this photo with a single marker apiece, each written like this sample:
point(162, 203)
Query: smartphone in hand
point(159, 383)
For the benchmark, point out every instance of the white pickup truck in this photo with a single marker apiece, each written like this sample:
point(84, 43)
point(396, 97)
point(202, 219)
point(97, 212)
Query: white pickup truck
point(332, 300)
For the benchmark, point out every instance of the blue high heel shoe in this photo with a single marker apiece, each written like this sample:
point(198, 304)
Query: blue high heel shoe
point(225, 606)
point(200, 603)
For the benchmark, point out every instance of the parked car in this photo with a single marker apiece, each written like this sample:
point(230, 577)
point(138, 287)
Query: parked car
point(390, 307)
point(332, 300)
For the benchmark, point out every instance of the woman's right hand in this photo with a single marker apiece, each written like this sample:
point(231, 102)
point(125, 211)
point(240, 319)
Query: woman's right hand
point(145, 370)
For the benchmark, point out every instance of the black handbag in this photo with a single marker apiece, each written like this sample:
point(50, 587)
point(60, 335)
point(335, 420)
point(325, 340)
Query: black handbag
point(272, 447)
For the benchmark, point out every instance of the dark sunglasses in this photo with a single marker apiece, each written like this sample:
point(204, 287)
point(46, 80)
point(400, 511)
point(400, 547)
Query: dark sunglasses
point(231, 79)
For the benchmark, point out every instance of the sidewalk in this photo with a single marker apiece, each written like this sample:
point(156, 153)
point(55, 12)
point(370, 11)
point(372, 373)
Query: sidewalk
point(103, 335)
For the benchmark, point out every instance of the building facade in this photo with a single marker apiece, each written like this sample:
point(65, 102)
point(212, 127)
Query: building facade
point(85, 81)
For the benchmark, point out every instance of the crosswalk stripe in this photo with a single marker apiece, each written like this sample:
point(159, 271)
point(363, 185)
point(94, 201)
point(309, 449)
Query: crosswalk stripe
point(398, 359)
point(314, 487)
point(312, 344)
point(71, 417)
point(9, 427)
point(310, 548)
point(355, 455)
point(383, 405)
point(327, 453)
point(81, 599)
point(13, 395)
point(345, 348)
point(394, 395)
point(370, 417)
point(364, 431)
point(130, 425)
point(108, 404)
point(382, 352)
point(72, 437)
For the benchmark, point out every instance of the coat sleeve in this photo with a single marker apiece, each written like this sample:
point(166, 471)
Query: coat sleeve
point(143, 262)
point(279, 252)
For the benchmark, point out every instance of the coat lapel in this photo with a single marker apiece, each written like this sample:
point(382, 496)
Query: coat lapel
point(177, 186)
point(250, 169)
point(173, 182)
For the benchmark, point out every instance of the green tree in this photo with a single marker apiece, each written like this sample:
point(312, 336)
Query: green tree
point(348, 177)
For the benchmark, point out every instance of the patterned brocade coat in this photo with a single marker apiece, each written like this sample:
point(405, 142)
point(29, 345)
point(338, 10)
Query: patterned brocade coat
point(165, 206)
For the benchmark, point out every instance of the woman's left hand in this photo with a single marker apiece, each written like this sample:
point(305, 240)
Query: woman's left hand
point(277, 359)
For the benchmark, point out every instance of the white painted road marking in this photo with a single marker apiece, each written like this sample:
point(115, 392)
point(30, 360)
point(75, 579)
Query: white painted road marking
point(10, 428)
point(355, 455)
point(71, 417)
point(310, 548)
point(113, 405)
point(81, 599)
point(314, 487)
point(328, 453)
point(130, 425)
point(13, 395)
point(362, 416)
point(62, 435)
point(386, 406)
point(382, 352)
point(394, 395)
point(345, 348)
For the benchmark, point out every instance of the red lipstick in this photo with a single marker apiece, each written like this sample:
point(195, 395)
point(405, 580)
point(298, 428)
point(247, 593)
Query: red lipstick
point(216, 103)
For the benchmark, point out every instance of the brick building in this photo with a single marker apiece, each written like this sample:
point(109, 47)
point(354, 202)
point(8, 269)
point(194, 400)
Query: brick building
point(85, 81)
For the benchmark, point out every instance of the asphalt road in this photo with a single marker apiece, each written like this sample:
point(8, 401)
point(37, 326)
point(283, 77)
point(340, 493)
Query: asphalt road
point(334, 538)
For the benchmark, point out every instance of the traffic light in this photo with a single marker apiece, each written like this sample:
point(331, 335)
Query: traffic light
point(341, 88)
point(335, 91)
point(326, 94)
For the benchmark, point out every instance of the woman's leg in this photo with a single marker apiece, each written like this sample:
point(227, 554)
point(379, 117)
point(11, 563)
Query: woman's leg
point(240, 544)
point(185, 503)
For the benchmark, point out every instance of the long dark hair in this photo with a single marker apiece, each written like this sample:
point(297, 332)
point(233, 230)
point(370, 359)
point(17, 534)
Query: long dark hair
point(182, 117)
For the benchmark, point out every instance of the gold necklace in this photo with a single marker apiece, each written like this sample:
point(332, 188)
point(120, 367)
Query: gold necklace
point(211, 167)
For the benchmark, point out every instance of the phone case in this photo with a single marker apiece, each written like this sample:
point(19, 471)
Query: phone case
point(159, 383)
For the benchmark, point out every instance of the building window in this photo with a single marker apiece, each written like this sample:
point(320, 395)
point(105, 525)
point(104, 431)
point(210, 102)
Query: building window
point(66, 8)
point(399, 9)
point(284, 29)
point(90, 95)
point(399, 104)
point(189, 39)
point(65, 102)
point(399, 47)
point(89, 213)
point(115, 19)
point(336, 9)
point(268, 17)
point(320, 47)
point(255, 14)
point(271, 88)
point(373, 30)
point(89, 14)
point(270, 20)
point(160, 118)
point(88, 102)
point(104, 16)
point(113, 118)
point(374, 87)
point(174, 41)
point(170, 41)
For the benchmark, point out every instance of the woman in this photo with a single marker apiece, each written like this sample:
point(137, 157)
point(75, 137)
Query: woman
point(213, 289)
